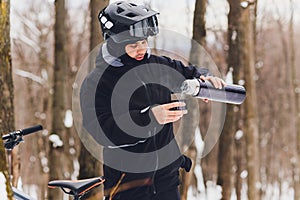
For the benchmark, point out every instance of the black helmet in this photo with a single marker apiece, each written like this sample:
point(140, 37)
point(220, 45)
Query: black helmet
point(124, 21)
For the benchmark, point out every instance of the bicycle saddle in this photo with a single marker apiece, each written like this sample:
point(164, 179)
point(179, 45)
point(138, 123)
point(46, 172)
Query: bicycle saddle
point(78, 187)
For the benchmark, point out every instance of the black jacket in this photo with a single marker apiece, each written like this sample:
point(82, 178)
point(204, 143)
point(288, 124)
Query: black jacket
point(120, 92)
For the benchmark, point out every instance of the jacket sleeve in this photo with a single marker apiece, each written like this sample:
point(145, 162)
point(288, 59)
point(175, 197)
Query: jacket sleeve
point(179, 72)
point(189, 71)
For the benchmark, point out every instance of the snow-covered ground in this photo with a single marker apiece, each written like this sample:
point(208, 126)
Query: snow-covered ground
point(3, 193)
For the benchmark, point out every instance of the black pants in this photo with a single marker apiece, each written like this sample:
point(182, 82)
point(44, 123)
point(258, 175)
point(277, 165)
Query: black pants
point(166, 195)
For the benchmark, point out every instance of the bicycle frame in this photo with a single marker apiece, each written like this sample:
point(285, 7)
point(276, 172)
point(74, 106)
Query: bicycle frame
point(19, 195)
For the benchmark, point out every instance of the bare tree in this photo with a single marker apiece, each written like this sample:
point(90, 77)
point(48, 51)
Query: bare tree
point(251, 116)
point(34, 92)
point(296, 92)
point(225, 164)
point(6, 87)
point(60, 160)
point(95, 7)
point(89, 165)
point(189, 122)
point(276, 146)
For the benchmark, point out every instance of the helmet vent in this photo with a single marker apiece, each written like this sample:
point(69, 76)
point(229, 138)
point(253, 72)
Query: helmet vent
point(131, 15)
point(120, 10)
point(132, 4)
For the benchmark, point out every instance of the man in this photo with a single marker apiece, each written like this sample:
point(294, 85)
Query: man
point(129, 92)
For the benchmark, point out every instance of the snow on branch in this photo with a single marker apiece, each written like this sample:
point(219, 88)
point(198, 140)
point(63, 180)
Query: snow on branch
point(29, 75)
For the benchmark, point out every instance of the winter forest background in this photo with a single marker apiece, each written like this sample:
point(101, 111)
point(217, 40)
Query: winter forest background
point(253, 43)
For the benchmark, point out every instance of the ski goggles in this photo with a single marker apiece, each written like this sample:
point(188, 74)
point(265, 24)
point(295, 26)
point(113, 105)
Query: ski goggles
point(144, 28)
point(140, 30)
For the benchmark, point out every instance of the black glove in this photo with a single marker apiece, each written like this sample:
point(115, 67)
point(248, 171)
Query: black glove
point(186, 163)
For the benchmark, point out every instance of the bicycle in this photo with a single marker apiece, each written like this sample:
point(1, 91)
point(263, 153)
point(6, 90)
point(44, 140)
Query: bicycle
point(78, 189)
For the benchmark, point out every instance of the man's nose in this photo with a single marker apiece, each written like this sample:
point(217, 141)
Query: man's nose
point(140, 47)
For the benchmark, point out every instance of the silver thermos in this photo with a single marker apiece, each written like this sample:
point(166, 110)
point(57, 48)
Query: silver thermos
point(231, 93)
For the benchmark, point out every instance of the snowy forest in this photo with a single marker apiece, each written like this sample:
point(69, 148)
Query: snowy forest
point(248, 151)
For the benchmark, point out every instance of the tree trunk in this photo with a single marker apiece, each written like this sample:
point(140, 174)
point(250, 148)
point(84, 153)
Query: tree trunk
point(189, 125)
point(45, 108)
point(96, 35)
point(60, 160)
point(6, 87)
point(199, 34)
point(89, 165)
point(239, 164)
point(296, 93)
point(225, 165)
point(199, 30)
point(251, 117)
point(190, 122)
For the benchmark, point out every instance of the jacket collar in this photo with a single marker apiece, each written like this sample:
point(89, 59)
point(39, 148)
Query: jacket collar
point(111, 60)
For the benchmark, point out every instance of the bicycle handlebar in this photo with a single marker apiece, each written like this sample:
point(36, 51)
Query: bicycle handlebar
point(22, 132)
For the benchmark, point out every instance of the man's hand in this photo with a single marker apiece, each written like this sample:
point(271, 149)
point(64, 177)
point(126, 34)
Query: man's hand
point(164, 115)
point(217, 82)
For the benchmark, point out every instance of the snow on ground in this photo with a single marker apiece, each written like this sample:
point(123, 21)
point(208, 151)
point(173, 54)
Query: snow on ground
point(274, 191)
point(3, 193)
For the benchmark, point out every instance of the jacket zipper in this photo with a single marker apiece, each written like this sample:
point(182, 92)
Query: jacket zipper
point(156, 167)
point(153, 135)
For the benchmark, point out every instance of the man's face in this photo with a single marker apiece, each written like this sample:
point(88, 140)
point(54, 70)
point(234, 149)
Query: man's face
point(137, 50)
